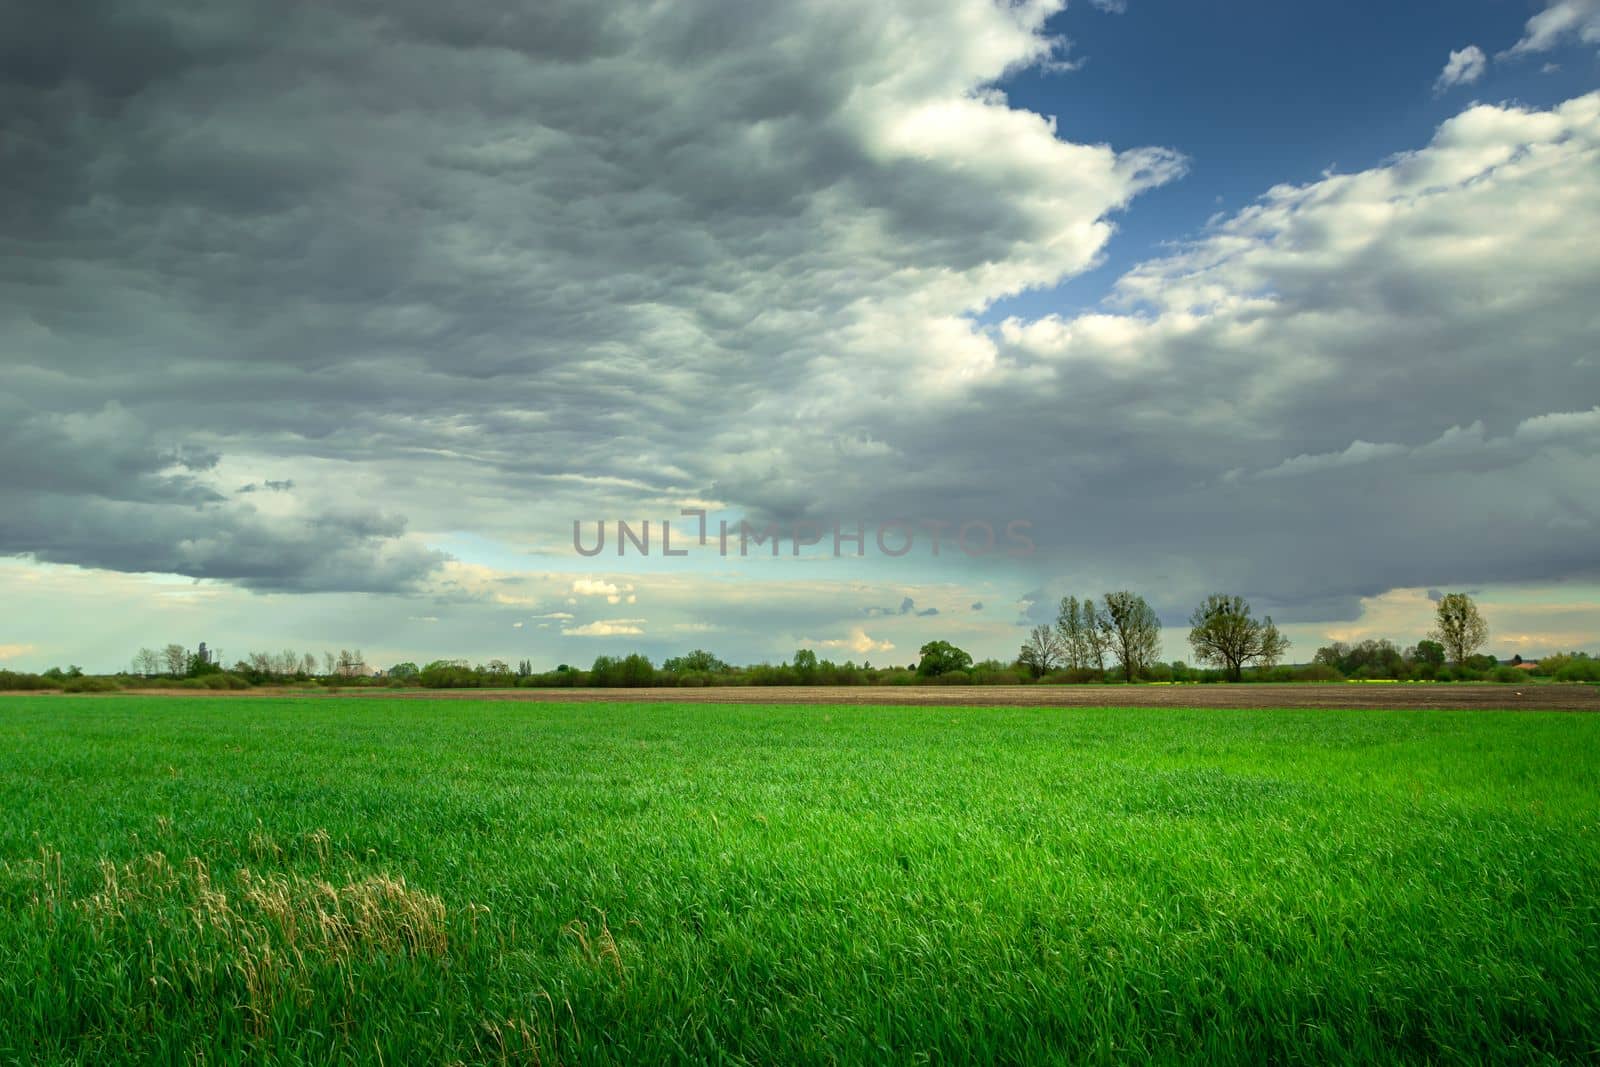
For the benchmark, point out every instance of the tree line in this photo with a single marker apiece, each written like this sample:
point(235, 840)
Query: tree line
point(175, 662)
point(1125, 632)
point(1117, 638)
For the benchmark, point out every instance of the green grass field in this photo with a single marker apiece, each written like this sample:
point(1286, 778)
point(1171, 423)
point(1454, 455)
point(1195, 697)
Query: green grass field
point(323, 880)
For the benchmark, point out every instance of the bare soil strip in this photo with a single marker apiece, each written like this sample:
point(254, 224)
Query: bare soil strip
point(1543, 697)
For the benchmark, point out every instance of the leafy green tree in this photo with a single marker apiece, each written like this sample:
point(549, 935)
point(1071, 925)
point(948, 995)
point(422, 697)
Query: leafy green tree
point(1372, 658)
point(941, 657)
point(698, 661)
point(1429, 653)
point(449, 674)
point(1225, 632)
point(405, 672)
point(1459, 627)
point(1080, 628)
point(805, 665)
point(605, 672)
point(1069, 628)
point(1131, 631)
point(636, 670)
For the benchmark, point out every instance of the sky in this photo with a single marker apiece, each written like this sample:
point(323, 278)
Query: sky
point(322, 325)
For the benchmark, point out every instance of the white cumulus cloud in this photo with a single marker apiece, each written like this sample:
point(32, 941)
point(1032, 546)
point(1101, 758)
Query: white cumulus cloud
point(607, 628)
point(1463, 68)
point(1558, 22)
point(859, 642)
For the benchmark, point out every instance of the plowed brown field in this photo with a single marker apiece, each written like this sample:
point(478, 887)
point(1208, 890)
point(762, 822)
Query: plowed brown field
point(1381, 696)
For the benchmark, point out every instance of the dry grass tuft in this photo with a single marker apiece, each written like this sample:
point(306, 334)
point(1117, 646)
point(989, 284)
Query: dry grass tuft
point(597, 946)
point(319, 844)
point(509, 1041)
point(271, 934)
point(262, 846)
point(43, 877)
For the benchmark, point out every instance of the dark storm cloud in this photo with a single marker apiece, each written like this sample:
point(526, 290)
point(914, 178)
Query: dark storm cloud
point(102, 489)
point(324, 553)
point(508, 252)
point(107, 454)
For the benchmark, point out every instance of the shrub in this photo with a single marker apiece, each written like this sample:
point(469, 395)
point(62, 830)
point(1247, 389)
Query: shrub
point(1158, 672)
point(15, 680)
point(1552, 666)
point(449, 674)
point(88, 684)
point(830, 673)
point(1579, 670)
point(139, 681)
point(768, 674)
point(224, 681)
point(994, 672)
point(1318, 672)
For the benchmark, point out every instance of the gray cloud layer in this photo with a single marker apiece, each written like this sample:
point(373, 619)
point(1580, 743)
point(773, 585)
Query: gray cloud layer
point(494, 270)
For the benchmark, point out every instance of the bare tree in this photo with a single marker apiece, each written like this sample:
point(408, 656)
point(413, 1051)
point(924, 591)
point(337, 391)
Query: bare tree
point(350, 663)
point(1132, 631)
point(176, 658)
point(1041, 652)
point(147, 662)
point(1459, 627)
point(1095, 645)
point(1225, 632)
